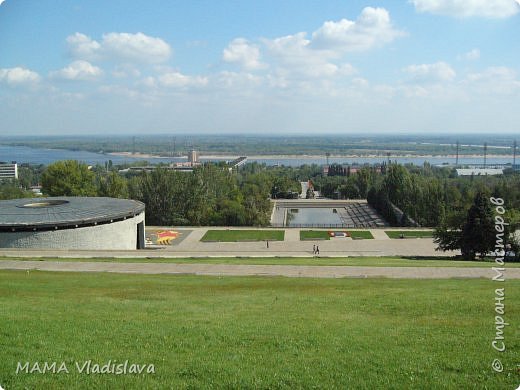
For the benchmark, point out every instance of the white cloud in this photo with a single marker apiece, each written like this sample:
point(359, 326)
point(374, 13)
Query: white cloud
point(240, 51)
point(179, 80)
point(125, 70)
point(82, 46)
point(18, 76)
point(121, 47)
point(297, 58)
point(440, 71)
point(493, 73)
point(1, 1)
point(471, 55)
point(346, 70)
point(136, 47)
point(372, 28)
point(78, 70)
point(238, 80)
point(495, 80)
point(469, 8)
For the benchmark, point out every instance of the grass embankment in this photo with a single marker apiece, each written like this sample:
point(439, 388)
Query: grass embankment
point(243, 235)
point(344, 261)
point(409, 233)
point(324, 234)
point(237, 332)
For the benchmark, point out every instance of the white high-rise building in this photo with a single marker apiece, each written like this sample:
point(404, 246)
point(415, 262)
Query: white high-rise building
point(9, 171)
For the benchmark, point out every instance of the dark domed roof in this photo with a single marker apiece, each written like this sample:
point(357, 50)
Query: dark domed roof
point(64, 212)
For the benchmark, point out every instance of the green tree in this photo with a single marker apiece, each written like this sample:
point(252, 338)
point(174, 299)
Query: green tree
point(10, 190)
point(113, 185)
point(478, 233)
point(473, 236)
point(161, 191)
point(68, 178)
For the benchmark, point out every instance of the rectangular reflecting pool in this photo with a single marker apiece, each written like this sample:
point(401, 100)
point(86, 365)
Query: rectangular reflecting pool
point(312, 216)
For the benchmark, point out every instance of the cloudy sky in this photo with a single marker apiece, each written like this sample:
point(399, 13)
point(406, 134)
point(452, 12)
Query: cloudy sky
point(259, 67)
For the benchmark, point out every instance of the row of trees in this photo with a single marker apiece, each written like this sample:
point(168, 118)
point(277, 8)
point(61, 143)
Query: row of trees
point(210, 195)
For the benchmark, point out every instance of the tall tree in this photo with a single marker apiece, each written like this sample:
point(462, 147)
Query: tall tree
point(113, 185)
point(478, 233)
point(473, 236)
point(68, 178)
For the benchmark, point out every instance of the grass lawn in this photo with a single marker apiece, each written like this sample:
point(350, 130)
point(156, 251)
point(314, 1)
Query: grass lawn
point(314, 235)
point(256, 332)
point(346, 261)
point(243, 235)
point(409, 233)
point(361, 234)
point(324, 235)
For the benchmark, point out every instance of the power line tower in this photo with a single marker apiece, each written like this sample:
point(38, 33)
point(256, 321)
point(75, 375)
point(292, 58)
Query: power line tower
point(485, 154)
point(327, 155)
point(514, 155)
point(172, 147)
point(133, 144)
point(457, 155)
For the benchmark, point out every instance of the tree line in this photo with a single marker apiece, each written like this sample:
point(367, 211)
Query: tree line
point(213, 195)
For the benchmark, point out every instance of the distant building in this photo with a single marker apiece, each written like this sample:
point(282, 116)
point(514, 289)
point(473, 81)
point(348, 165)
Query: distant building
point(180, 167)
point(347, 170)
point(479, 171)
point(8, 171)
point(36, 190)
point(193, 157)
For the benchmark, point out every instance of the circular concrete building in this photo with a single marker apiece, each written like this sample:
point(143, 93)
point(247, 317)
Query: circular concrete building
point(72, 223)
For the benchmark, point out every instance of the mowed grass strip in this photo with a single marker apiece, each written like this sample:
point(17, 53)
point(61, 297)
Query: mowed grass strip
point(243, 235)
point(238, 332)
point(409, 233)
point(361, 234)
point(274, 260)
point(314, 235)
point(324, 235)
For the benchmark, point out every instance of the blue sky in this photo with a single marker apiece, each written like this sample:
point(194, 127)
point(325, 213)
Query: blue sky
point(263, 67)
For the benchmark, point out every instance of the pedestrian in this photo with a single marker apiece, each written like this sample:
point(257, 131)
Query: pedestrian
point(317, 250)
point(314, 249)
point(267, 243)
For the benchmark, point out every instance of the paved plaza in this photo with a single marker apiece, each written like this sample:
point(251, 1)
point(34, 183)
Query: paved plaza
point(188, 244)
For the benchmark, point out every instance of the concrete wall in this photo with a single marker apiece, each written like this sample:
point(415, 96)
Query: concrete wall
point(120, 235)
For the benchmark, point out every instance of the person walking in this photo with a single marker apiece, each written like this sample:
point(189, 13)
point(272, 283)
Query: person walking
point(267, 243)
point(314, 249)
point(317, 250)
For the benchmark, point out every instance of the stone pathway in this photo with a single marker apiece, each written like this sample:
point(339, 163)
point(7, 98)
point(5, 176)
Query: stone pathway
point(292, 235)
point(379, 234)
point(261, 270)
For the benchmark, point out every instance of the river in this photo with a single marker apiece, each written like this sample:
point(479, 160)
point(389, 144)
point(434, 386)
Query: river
point(24, 154)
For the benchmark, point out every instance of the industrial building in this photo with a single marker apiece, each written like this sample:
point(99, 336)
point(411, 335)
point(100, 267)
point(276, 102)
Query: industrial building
point(479, 171)
point(8, 171)
point(72, 223)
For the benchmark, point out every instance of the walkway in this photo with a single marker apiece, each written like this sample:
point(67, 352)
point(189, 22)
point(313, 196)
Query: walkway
point(261, 270)
point(191, 246)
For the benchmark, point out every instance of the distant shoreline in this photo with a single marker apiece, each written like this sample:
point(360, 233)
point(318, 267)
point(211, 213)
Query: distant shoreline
point(307, 156)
